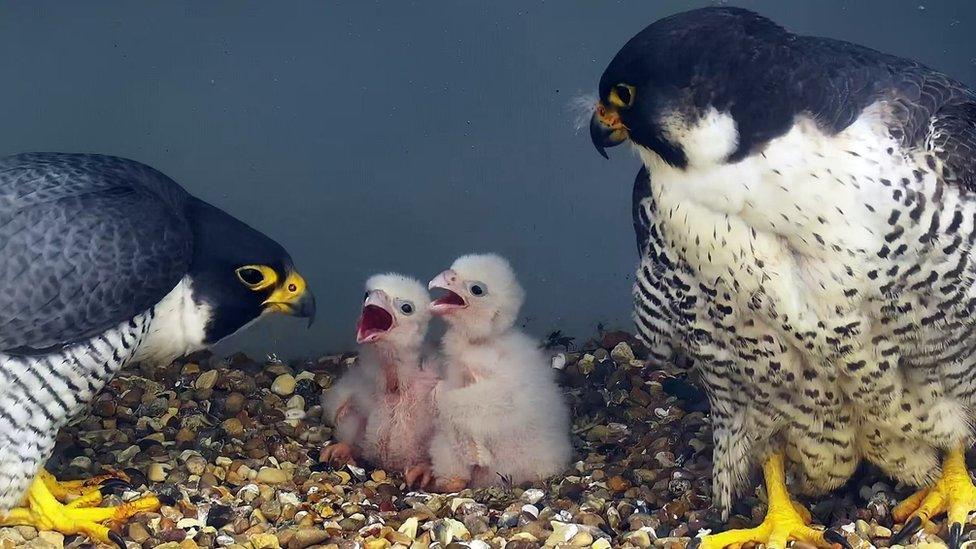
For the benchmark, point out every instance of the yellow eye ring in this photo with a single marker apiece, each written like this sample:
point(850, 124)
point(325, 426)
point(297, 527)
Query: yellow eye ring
point(622, 95)
point(257, 277)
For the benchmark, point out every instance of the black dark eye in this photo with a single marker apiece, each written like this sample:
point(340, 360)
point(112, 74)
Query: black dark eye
point(406, 308)
point(365, 296)
point(250, 276)
point(477, 290)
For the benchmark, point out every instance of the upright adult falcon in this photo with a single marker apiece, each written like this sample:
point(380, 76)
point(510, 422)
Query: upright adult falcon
point(102, 261)
point(807, 219)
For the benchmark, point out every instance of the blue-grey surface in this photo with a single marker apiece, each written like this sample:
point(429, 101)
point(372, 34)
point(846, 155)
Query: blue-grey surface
point(372, 136)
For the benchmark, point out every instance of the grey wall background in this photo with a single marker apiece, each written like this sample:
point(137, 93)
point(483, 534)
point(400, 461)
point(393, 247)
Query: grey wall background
point(372, 136)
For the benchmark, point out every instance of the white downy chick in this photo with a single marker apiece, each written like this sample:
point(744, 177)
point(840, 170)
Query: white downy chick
point(382, 408)
point(501, 415)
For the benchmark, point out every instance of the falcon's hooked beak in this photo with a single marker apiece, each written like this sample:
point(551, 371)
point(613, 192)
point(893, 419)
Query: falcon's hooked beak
point(376, 318)
point(606, 129)
point(451, 283)
point(292, 297)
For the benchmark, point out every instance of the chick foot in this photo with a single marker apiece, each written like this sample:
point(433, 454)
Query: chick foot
point(954, 494)
point(453, 484)
point(419, 476)
point(785, 520)
point(44, 512)
point(337, 453)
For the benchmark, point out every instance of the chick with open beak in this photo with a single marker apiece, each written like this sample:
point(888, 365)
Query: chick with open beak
point(500, 414)
point(382, 408)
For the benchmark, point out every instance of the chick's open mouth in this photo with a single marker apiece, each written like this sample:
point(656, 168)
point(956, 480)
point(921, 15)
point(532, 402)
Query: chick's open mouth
point(373, 322)
point(449, 301)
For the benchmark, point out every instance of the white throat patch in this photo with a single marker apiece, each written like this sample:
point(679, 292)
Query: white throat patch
point(177, 328)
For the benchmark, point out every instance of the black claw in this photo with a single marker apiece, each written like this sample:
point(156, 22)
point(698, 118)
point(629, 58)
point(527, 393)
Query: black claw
point(907, 531)
point(955, 536)
point(166, 499)
point(113, 486)
point(833, 536)
point(117, 539)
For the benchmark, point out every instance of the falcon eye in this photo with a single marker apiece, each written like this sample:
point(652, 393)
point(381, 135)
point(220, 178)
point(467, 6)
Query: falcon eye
point(477, 289)
point(365, 296)
point(407, 309)
point(256, 277)
point(251, 277)
point(622, 95)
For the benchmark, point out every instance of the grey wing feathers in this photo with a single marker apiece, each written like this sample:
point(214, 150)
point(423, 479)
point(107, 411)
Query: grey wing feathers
point(642, 190)
point(86, 242)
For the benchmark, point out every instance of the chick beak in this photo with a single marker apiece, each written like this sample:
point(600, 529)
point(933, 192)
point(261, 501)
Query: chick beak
point(606, 129)
point(292, 297)
point(375, 318)
point(451, 283)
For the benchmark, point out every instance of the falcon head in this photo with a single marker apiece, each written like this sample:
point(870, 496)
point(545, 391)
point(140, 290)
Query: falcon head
point(395, 312)
point(481, 295)
point(238, 274)
point(697, 88)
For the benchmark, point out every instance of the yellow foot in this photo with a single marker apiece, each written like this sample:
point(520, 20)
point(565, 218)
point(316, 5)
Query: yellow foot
point(86, 492)
point(785, 520)
point(44, 512)
point(953, 494)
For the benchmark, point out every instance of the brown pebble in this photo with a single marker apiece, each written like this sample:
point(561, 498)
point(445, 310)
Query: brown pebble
point(137, 532)
point(234, 403)
point(233, 427)
point(306, 537)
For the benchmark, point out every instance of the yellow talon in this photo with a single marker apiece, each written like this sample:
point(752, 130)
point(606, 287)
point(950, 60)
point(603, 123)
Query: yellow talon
point(953, 494)
point(80, 493)
point(785, 520)
point(43, 511)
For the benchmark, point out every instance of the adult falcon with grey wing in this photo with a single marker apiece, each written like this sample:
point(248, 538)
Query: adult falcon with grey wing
point(104, 260)
point(809, 222)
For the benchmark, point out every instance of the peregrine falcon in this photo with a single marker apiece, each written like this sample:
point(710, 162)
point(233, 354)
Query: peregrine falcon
point(807, 222)
point(104, 261)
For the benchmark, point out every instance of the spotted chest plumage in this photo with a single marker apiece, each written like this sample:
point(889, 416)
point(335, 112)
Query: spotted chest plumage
point(40, 393)
point(825, 290)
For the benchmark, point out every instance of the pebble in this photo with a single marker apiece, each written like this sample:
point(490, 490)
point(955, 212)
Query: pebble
point(283, 385)
point(264, 541)
point(157, 472)
point(271, 475)
point(306, 537)
point(137, 532)
point(206, 380)
point(233, 427)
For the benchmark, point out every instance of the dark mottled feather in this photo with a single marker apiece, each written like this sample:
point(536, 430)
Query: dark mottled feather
point(642, 190)
point(85, 241)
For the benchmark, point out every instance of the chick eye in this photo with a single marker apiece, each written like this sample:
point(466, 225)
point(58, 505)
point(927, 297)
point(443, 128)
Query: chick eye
point(622, 95)
point(407, 309)
point(365, 296)
point(256, 277)
point(477, 289)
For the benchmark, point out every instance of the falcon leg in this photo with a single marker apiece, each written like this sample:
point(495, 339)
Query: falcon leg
point(43, 511)
point(785, 519)
point(83, 493)
point(953, 494)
